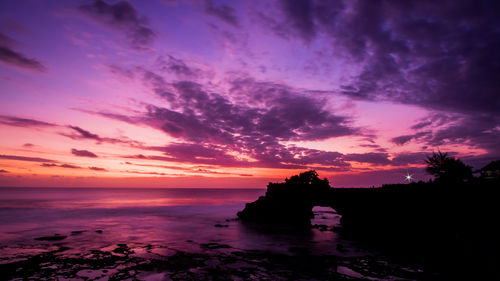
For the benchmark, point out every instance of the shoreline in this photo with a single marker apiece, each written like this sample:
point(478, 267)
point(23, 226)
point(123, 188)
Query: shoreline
point(212, 261)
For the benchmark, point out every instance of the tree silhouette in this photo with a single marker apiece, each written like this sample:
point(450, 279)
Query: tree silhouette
point(308, 177)
point(447, 169)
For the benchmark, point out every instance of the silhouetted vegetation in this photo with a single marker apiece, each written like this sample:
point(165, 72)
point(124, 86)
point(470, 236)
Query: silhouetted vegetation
point(448, 169)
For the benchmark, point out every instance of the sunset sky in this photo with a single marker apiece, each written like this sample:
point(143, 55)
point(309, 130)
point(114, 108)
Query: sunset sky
point(239, 93)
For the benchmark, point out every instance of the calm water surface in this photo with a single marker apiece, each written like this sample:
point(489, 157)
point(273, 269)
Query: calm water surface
point(175, 218)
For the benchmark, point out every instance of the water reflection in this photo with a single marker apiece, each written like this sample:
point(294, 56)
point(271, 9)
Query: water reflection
point(176, 218)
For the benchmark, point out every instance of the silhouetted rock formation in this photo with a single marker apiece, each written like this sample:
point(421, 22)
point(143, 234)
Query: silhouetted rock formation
point(289, 202)
point(448, 226)
point(56, 237)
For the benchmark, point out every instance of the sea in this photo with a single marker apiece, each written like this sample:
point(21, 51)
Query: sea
point(167, 221)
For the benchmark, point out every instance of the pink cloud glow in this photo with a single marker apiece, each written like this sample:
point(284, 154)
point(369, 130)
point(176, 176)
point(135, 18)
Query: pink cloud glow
point(152, 94)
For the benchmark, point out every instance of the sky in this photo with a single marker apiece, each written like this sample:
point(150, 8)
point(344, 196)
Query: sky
point(240, 93)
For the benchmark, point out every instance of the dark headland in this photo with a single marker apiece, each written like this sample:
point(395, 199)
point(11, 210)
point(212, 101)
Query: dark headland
point(449, 227)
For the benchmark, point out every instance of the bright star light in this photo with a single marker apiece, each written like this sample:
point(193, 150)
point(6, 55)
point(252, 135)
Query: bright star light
point(408, 177)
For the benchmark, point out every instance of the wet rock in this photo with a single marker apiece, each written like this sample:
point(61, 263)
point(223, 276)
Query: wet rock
point(299, 250)
point(123, 249)
point(209, 265)
point(341, 248)
point(321, 227)
point(212, 246)
point(336, 229)
point(56, 237)
point(221, 225)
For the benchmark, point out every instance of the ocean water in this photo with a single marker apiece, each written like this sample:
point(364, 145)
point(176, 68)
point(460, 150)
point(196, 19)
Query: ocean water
point(176, 218)
point(151, 223)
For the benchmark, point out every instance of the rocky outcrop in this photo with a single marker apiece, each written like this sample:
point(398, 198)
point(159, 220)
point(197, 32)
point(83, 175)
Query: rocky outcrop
point(289, 202)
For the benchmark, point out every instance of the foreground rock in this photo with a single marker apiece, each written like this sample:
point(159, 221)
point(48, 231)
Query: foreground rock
point(289, 202)
point(56, 237)
point(214, 262)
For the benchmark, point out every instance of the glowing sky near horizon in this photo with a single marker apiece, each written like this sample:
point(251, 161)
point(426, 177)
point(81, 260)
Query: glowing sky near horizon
point(239, 93)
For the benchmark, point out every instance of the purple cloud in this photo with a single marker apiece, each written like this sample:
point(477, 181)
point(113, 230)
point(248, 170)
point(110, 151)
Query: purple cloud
point(373, 146)
point(204, 171)
point(9, 56)
point(480, 131)
point(222, 12)
point(23, 122)
point(201, 169)
point(120, 71)
point(83, 153)
point(77, 132)
point(414, 53)
point(29, 159)
point(115, 116)
point(145, 173)
point(266, 110)
point(300, 13)
point(403, 139)
point(81, 134)
point(200, 154)
point(266, 115)
point(98, 169)
point(69, 166)
point(177, 66)
point(208, 125)
point(407, 158)
point(376, 158)
point(210, 115)
point(3, 171)
point(122, 16)
point(271, 155)
point(406, 138)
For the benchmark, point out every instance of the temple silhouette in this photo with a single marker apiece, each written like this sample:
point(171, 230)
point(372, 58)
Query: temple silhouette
point(448, 226)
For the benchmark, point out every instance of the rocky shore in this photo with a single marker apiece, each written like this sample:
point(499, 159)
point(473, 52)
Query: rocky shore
point(213, 261)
